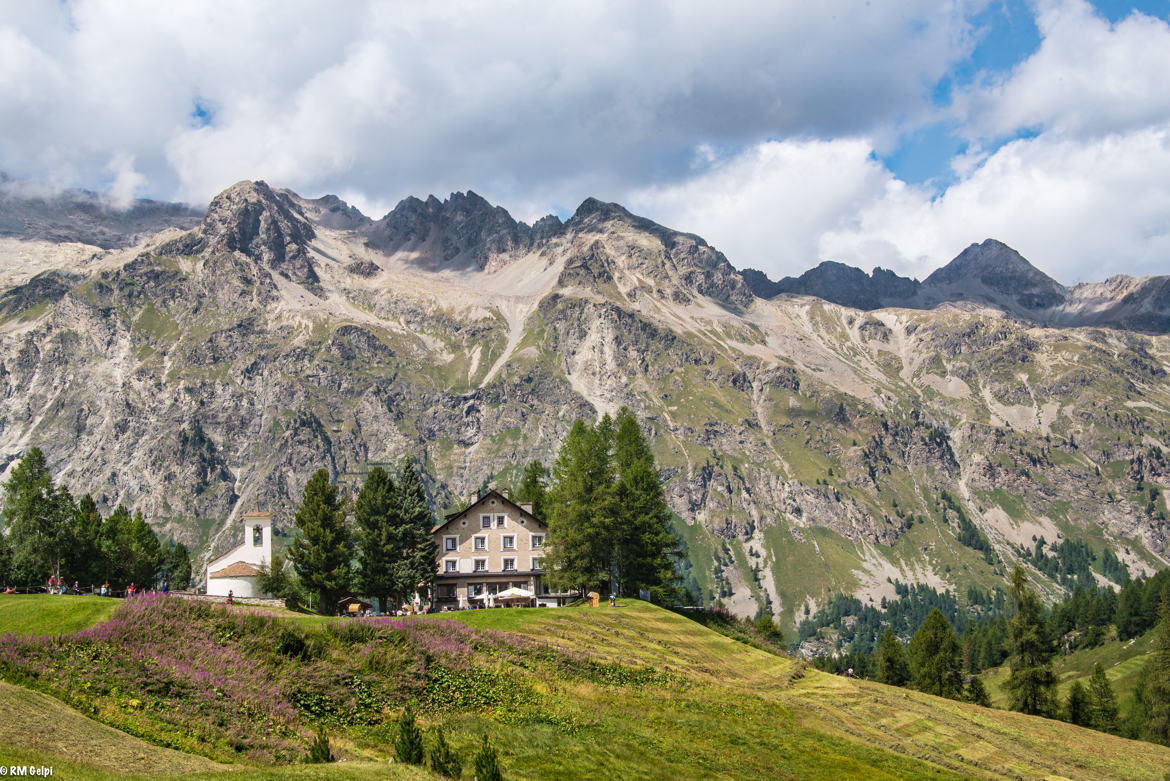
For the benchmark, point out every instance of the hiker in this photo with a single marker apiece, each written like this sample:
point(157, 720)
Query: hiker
point(229, 597)
point(106, 589)
point(130, 590)
point(613, 600)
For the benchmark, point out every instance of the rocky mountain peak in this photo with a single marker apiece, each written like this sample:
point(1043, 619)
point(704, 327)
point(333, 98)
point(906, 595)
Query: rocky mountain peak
point(329, 211)
point(266, 226)
point(593, 209)
point(463, 230)
point(1001, 270)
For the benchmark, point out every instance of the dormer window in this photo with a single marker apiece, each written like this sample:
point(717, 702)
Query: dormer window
point(258, 536)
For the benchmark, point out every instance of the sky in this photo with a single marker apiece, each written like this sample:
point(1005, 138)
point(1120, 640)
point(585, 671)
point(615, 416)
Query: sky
point(873, 133)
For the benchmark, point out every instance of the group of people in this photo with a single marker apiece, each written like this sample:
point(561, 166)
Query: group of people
point(57, 586)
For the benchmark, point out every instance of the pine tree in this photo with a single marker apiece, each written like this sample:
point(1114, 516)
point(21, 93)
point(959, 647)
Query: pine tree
point(533, 488)
point(1156, 696)
point(487, 763)
point(580, 510)
point(1077, 706)
point(1031, 683)
point(891, 664)
point(322, 550)
point(145, 553)
point(443, 758)
point(1128, 617)
point(934, 657)
point(976, 692)
point(85, 557)
point(114, 546)
point(180, 567)
point(377, 540)
point(414, 569)
point(408, 746)
point(40, 520)
point(1102, 702)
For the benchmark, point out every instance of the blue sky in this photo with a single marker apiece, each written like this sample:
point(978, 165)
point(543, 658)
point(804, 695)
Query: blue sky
point(873, 133)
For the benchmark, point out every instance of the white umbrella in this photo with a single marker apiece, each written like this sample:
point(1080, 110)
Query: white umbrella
point(514, 593)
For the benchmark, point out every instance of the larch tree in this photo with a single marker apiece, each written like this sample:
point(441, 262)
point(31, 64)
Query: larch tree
point(1031, 682)
point(322, 551)
point(580, 509)
point(377, 538)
point(414, 568)
point(39, 518)
point(1102, 702)
point(892, 667)
point(1076, 708)
point(1157, 690)
point(934, 658)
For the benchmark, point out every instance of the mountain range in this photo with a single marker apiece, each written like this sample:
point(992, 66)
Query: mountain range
point(831, 433)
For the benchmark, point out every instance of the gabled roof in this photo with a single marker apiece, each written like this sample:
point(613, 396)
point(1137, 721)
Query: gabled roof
point(492, 494)
point(237, 569)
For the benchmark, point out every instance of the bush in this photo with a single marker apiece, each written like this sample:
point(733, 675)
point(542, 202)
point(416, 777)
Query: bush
point(408, 746)
point(319, 748)
point(443, 759)
point(487, 763)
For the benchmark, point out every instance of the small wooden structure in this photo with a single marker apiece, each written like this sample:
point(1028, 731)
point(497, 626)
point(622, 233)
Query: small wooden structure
point(352, 606)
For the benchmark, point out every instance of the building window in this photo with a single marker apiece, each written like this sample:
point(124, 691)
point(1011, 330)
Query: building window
point(481, 543)
point(485, 522)
point(449, 565)
point(537, 564)
point(500, 519)
point(509, 565)
point(450, 543)
point(258, 536)
point(509, 542)
point(481, 565)
point(447, 592)
point(474, 589)
point(537, 541)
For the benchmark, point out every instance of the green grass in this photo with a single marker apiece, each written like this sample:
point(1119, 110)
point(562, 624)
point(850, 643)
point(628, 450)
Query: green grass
point(52, 614)
point(726, 710)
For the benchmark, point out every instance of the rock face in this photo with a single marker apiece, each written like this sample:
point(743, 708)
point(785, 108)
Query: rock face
point(806, 447)
point(992, 274)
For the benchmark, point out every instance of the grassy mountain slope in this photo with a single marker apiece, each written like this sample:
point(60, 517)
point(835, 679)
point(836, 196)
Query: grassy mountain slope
point(634, 691)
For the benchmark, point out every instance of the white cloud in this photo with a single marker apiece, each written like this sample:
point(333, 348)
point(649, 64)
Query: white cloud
point(1088, 78)
point(525, 102)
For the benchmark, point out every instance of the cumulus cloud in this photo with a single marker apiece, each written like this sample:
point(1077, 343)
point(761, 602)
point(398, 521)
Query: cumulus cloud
point(529, 102)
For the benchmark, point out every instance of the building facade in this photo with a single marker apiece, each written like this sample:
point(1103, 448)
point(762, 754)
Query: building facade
point(237, 570)
point(493, 545)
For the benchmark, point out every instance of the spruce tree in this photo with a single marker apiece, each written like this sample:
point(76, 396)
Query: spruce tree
point(322, 550)
point(934, 657)
point(580, 510)
point(891, 665)
point(85, 558)
point(443, 759)
point(1102, 702)
point(976, 692)
point(180, 567)
point(1032, 682)
point(533, 488)
point(408, 746)
point(414, 569)
point(40, 520)
point(377, 540)
point(145, 554)
point(1128, 618)
point(115, 547)
point(1077, 706)
point(487, 763)
point(1156, 696)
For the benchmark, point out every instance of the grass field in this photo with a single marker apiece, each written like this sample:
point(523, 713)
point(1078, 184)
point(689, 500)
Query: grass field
point(724, 710)
point(52, 614)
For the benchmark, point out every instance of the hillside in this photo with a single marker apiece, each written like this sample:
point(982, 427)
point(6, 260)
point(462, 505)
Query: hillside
point(805, 446)
point(579, 692)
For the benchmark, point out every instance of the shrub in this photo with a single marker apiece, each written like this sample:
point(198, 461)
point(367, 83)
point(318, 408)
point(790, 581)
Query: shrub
point(487, 763)
point(319, 748)
point(408, 746)
point(443, 759)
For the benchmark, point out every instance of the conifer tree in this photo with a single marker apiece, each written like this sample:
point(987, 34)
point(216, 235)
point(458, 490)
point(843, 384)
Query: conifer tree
point(443, 759)
point(408, 746)
point(1077, 706)
point(115, 549)
point(86, 557)
point(533, 488)
point(1032, 682)
point(374, 515)
point(39, 518)
point(892, 667)
point(414, 569)
point(934, 657)
point(487, 763)
point(1102, 702)
point(180, 567)
point(1128, 617)
point(976, 692)
point(145, 553)
point(1156, 696)
point(322, 550)
point(580, 510)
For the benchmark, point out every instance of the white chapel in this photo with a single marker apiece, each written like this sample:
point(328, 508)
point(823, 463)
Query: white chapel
point(237, 569)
